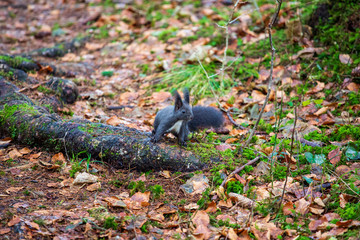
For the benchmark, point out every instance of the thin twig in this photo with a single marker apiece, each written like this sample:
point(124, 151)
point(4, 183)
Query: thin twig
point(271, 71)
point(288, 162)
point(232, 120)
point(240, 168)
point(212, 90)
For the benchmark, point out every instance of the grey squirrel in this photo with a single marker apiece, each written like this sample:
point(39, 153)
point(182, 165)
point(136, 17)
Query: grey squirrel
point(181, 118)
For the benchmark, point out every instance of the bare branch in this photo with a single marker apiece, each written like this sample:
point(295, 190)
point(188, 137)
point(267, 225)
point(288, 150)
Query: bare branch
point(271, 71)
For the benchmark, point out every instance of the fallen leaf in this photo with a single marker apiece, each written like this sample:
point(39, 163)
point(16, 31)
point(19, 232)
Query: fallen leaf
point(4, 230)
point(114, 201)
point(25, 150)
point(222, 147)
point(165, 174)
point(94, 187)
point(58, 157)
point(13, 189)
point(342, 201)
point(288, 208)
point(335, 156)
point(142, 199)
point(114, 121)
point(345, 59)
point(211, 207)
point(14, 154)
point(302, 206)
point(321, 111)
point(15, 220)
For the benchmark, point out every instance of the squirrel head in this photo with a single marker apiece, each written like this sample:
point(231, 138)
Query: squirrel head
point(182, 108)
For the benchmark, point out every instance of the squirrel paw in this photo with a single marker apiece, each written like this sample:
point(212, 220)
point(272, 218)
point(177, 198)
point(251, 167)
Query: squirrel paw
point(153, 140)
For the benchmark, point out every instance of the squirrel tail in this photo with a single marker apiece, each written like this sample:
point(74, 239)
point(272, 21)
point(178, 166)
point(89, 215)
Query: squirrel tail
point(205, 117)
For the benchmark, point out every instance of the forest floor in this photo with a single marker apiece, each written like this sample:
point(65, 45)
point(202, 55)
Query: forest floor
point(135, 53)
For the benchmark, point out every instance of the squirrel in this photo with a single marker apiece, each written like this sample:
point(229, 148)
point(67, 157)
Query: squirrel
point(181, 118)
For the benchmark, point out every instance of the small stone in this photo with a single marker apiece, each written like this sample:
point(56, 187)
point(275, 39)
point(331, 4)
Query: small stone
point(84, 177)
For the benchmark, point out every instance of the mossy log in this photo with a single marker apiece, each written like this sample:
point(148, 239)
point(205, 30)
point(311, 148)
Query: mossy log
point(15, 68)
point(122, 147)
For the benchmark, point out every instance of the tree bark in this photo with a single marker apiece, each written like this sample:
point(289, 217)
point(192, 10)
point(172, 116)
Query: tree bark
point(122, 147)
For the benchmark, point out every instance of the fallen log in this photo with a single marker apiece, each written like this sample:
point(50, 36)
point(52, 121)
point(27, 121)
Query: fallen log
point(122, 147)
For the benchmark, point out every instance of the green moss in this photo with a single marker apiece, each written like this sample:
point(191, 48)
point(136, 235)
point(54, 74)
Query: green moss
point(45, 90)
point(235, 187)
point(344, 132)
point(351, 211)
point(157, 190)
point(14, 61)
point(7, 75)
point(110, 223)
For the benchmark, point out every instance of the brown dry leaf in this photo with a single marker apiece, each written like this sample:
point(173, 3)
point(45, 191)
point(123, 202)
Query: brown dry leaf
point(258, 96)
point(155, 216)
point(58, 157)
point(94, 46)
point(319, 202)
point(25, 150)
point(321, 223)
point(222, 147)
point(231, 140)
point(160, 96)
point(35, 155)
point(353, 87)
point(13, 189)
point(4, 231)
point(141, 199)
point(44, 70)
point(165, 174)
point(114, 121)
point(288, 207)
point(232, 235)
point(191, 206)
point(345, 59)
point(211, 207)
point(226, 217)
point(53, 184)
point(262, 193)
point(227, 204)
point(114, 201)
point(343, 202)
point(335, 156)
point(302, 206)
point(128, 97)
point(263, 75)
point(70, 57)
point(238, 132)
point(316, 211)
point(14, 220)
point(321, 111)
point(333, 232)
point(33, 225)
point(87, 227)
point(201, 220)
point(94, 187)
point(66, 182)
point(265, 230)
point(319, 87)
point(14, 154)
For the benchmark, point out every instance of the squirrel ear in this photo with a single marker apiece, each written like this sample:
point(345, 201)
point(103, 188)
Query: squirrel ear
point(186, 95)
point(178, 100)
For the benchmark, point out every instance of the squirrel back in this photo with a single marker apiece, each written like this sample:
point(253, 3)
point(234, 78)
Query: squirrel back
point(205, 117)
